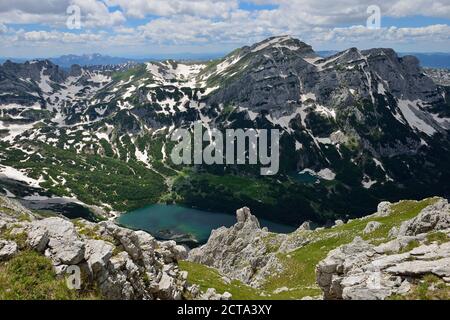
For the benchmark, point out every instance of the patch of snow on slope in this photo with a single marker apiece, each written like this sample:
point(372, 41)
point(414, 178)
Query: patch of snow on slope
point(273, 41)
point(368, 183)
point(44, 83)
point(327, 174)
point(410, 112)
point(17, 175)
point(142, 156)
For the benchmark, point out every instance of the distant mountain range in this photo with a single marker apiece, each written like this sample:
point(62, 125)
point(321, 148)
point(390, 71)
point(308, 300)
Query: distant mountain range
point(96, 59)
point(429, 60)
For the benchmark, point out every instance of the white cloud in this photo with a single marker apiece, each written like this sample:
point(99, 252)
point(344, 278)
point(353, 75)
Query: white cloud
point(221, 23)
point(64, 37)
point(392, 35)
point(165, 8)
point(93, 13)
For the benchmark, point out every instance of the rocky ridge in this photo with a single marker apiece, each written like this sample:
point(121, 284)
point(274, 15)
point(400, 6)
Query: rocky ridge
point(361, 270)
point(120, 263)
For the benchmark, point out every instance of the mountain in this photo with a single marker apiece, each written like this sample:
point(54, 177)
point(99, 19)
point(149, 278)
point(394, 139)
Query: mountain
point(432, 60)
point(95, 59)
point(357, 127)
point(439, 60)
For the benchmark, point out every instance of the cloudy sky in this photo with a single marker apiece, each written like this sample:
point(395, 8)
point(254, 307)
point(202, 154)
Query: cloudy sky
point(142, 28)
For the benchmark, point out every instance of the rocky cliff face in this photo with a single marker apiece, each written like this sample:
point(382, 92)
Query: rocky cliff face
point(120, 263)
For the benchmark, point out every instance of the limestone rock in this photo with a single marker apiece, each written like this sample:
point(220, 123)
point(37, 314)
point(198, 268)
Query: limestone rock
point(384, 209)
point(361, 271)
point(239, 252)
point(97, 255)
point(433, 218)
point(7, 250)
point(211, 294)
point(338, 223)
point(372, 226)
point(38, 238)
point(65, 246)
point(306, 226)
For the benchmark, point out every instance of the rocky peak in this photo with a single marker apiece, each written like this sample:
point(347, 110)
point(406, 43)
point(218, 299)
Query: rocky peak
point(34, 70)
point(246, 219)
point(282, 43)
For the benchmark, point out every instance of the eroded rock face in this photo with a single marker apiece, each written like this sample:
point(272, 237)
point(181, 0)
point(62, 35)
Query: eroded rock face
point(362, 271)
point(246, 251)
point(239, 252)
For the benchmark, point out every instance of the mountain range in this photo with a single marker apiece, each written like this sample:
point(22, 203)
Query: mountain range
point(427, 60)
point(357, 127)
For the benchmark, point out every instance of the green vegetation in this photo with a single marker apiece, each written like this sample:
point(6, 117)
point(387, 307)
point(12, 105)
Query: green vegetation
point(438, 237)
point(428, 288)
point(30, 276)
point(209, 278)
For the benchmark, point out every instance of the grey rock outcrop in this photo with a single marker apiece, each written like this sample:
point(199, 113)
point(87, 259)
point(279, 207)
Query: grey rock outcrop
point(7, 250)
point(121, 263)
point(384, 209)
point(372, 226)
point(239, 252)
point(211, 294)
point(433, 218)
point(246, 251)
point(363, 271)
point(64, 245)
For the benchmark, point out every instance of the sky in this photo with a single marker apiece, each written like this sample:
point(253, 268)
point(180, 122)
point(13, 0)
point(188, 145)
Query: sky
point(143, 28)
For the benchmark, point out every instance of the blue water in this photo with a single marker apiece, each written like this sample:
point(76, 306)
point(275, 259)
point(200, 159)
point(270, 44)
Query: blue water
point(170, 221)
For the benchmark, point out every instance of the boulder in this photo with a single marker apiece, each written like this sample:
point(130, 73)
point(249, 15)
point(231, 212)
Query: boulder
point(384, 209)
point(338, 223)
point(97, 255)
point(38, 238)
point(372, 226)
point(7, 250)
point(65, 246)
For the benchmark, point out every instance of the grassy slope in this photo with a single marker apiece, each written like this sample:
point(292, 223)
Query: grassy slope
point(299, 272)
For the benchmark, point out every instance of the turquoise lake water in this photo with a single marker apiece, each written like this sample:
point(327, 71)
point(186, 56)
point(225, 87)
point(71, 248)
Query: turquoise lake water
point(184, 224)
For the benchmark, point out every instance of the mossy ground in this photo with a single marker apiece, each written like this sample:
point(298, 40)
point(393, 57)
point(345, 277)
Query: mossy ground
point(299, 266)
